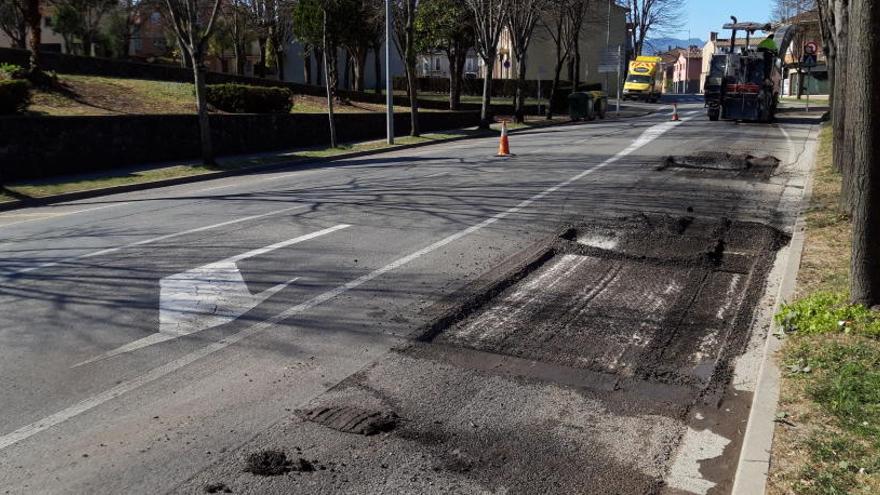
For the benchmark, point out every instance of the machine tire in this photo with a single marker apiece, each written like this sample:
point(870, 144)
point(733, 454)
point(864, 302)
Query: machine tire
point(603, 108)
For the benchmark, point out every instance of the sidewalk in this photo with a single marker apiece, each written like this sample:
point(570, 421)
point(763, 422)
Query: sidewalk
point(73, 187)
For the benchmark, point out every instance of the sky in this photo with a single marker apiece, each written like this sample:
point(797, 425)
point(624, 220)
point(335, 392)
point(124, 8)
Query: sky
point(703, 16)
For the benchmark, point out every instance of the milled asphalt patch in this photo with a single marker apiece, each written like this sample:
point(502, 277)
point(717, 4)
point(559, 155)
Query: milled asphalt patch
point(576, 378)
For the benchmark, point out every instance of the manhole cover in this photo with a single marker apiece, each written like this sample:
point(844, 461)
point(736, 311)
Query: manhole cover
point(352, 419)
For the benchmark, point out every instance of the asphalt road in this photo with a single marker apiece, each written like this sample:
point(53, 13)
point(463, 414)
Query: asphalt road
point(144, 337)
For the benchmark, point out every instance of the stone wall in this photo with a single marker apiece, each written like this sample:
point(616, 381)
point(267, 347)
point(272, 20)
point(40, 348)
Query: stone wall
point(38, 147)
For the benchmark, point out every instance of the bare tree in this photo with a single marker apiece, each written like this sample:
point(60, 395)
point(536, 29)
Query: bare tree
point(447, 25)
point(646, 16)
point(405, 38)
point(237, 25)
point(557, 22)
point(329, 49)
point(522, 17)
point(193, 22)
point(13, 16)
point(490, 17)
point(281, 31)
point(577, 14)
point(786, 9)
point(34, 17)
point(863, 128)
point(262, 14)
point(834, 20)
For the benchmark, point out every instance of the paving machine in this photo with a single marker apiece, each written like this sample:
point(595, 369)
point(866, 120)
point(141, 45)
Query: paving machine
point(743, 82)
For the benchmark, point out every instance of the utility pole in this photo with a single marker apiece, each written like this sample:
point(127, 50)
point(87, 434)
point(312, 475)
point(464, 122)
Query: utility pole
point(389, 86)
point(687, 65)
point(607, 38)
point(619, 66)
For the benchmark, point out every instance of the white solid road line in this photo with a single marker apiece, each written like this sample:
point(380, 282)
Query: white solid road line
point(92, 254)
point(207, 296)
point(47, 215)
point(50, 421)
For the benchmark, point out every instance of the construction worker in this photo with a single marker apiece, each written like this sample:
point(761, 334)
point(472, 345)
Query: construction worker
point(770, 50)
point(768, 45)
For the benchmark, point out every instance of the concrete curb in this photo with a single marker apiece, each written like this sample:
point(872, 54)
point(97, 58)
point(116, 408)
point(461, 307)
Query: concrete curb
point(106, 191)
point(753, 466)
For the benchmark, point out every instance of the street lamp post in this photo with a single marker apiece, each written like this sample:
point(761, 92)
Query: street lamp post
point(389, 86)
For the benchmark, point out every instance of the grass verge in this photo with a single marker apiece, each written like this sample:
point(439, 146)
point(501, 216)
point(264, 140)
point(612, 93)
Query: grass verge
point(827, 440)
point(54, 187)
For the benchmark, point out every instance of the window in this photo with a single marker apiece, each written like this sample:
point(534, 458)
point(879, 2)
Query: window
point(634, 78)
point(47, 21)
point(155, 17)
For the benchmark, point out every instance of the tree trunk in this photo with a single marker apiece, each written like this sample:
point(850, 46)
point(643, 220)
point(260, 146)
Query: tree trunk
point(279, 61)
point(461, 59)
point(519, 110)
point(346, 81)
point(863, 110)
point(842, 151)
point(360, 69)
point(202, 108)
point(319, 66)
point(410, 59)
point(576, 80)
point(485, 109)
point(260, 69)
point(330, 84)
point(412, 91)
point(239, 58)
point(307, 66)
point(452, 55)
point(554, 88)
point(377, 66)
point(34, 35)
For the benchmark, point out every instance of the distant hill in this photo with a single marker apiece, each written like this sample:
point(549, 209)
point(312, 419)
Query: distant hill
point(657, 45)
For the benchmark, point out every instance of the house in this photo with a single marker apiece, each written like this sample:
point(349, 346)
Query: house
point(152, 38)
point(686, 71)
point(667, 62)
point(719, 45)
point(799, 79)
point(50, 40)
point(436, 64)
point(600, 34)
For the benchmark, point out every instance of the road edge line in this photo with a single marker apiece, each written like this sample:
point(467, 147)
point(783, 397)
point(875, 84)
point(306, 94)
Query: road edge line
point(753, 465)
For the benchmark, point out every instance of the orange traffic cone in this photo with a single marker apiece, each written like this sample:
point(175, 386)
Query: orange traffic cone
point(503, 145)
point(675, 112)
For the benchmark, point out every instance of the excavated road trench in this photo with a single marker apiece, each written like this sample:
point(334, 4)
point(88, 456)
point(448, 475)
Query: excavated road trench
point(577, 369)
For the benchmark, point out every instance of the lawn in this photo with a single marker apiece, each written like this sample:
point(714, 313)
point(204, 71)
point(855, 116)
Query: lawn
point(827, 439)
point(96, 95)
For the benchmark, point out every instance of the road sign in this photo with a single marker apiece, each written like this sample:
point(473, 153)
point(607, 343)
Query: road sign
point(808, 60)
point(811, 48)
point(610, 61)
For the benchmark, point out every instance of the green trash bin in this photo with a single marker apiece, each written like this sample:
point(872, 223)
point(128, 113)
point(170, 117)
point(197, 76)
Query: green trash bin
point(580, 106)
point(600, 103)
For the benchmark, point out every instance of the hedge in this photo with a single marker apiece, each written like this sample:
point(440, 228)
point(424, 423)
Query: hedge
point(243, 98)
point(14, 96)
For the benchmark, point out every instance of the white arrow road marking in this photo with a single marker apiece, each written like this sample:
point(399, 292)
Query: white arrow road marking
point(165, 237)
point(206, 297)
point(166, 369)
